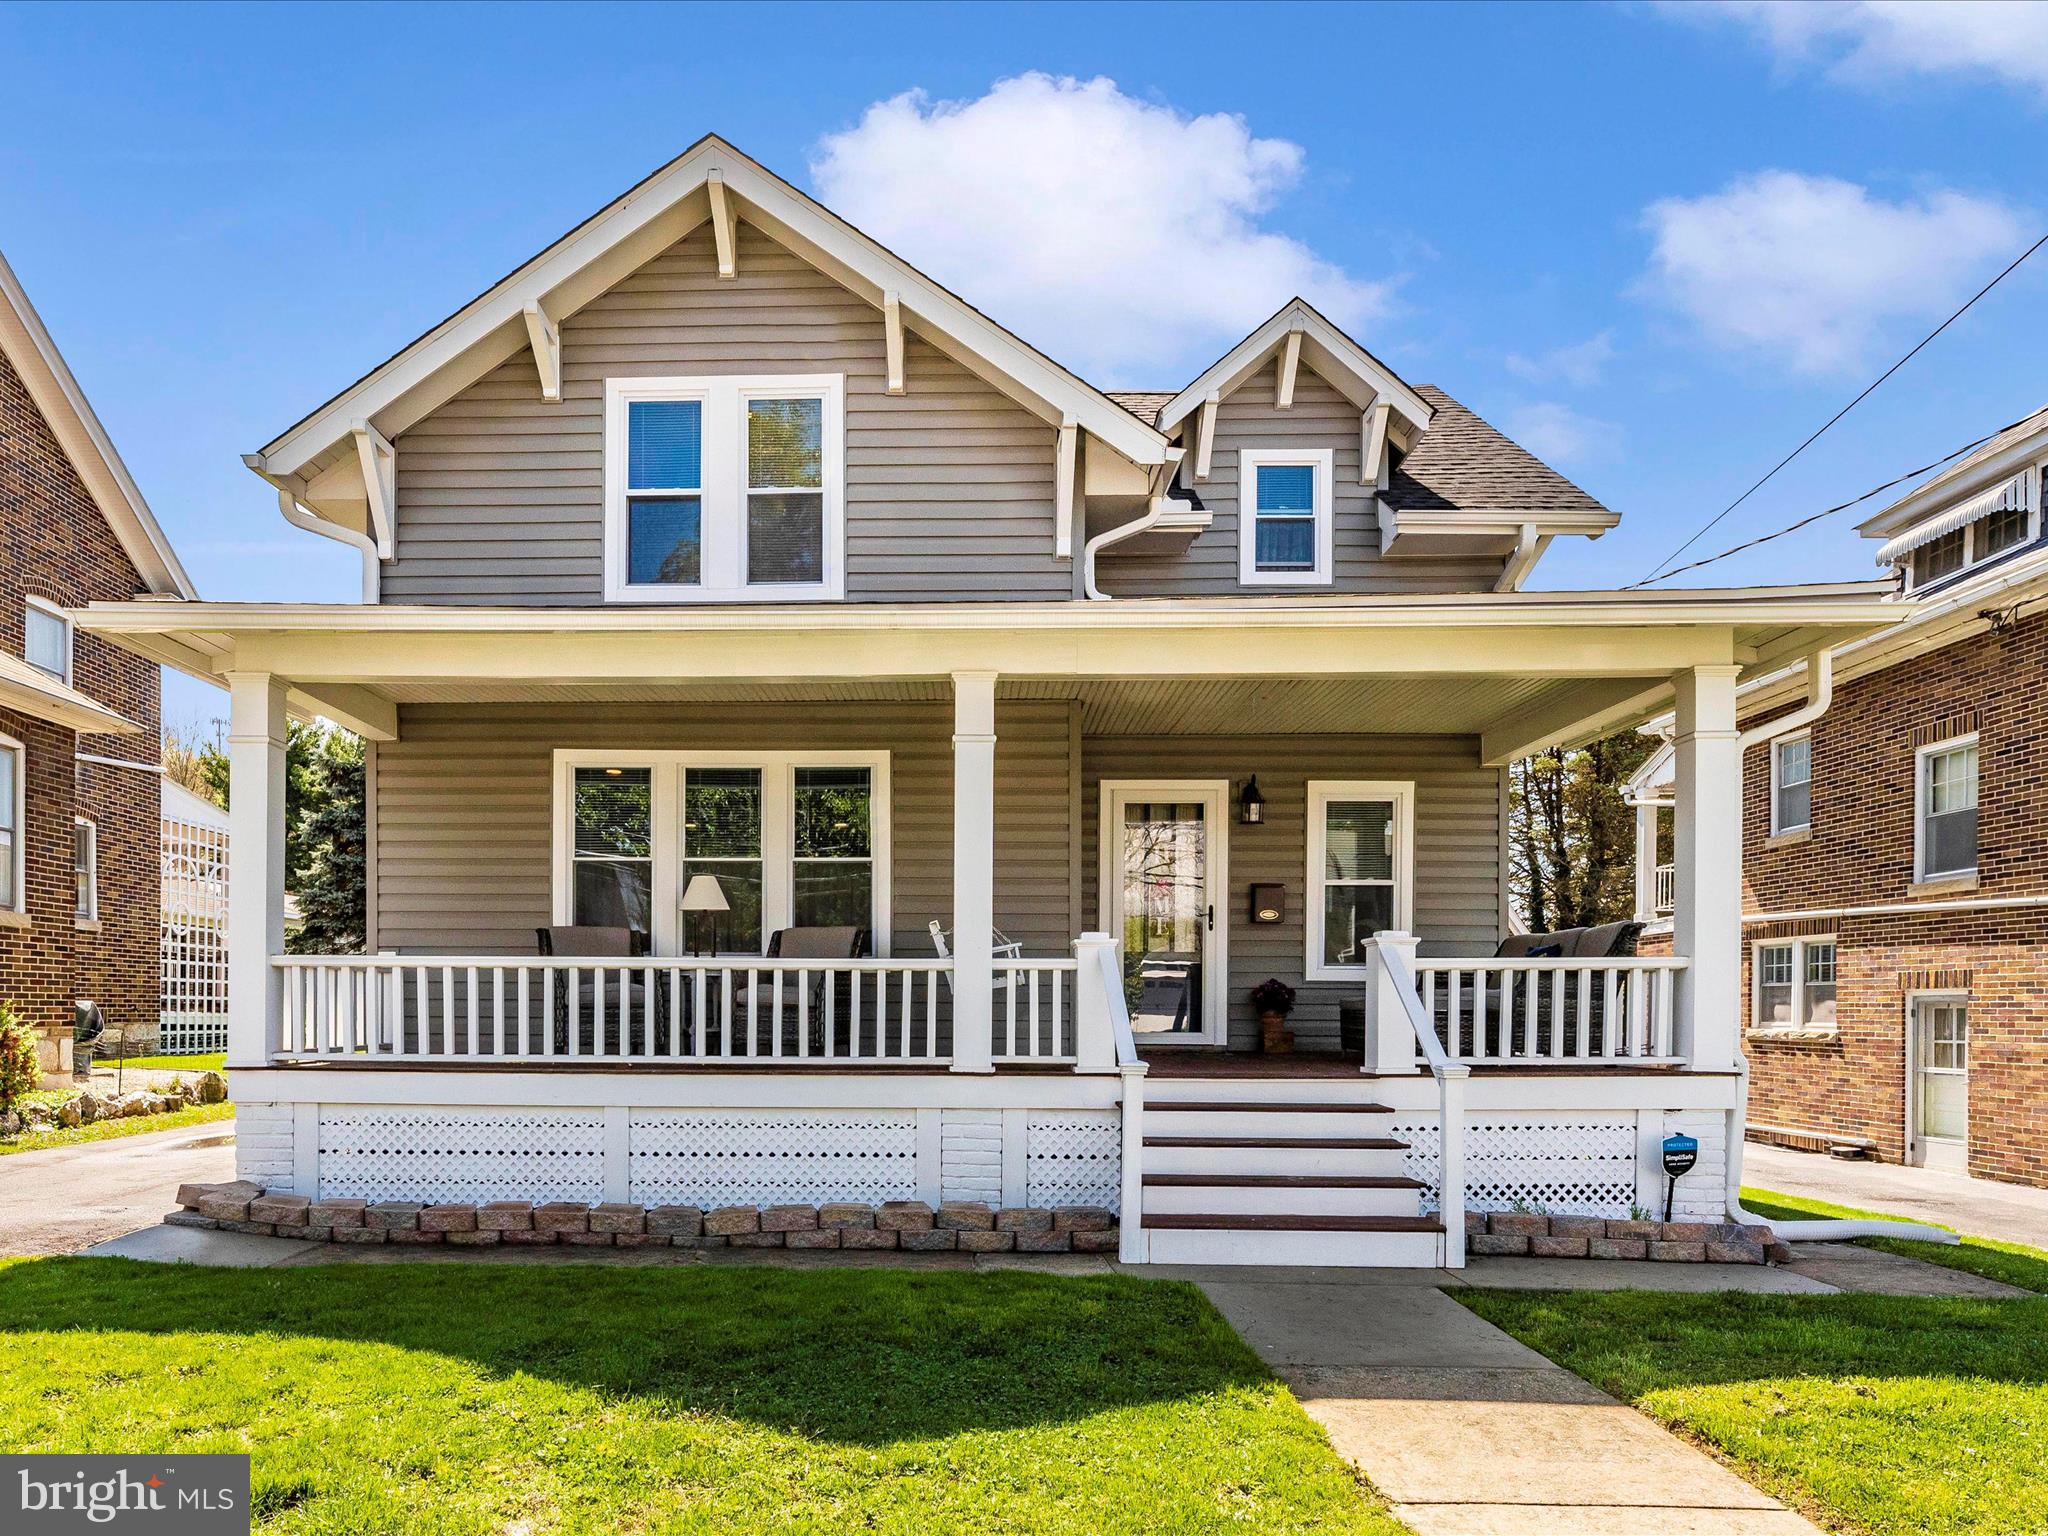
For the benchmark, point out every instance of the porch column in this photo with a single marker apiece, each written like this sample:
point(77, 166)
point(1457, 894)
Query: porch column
point(256, 749)
point(1646, 861)
point(1706, 919)
point(974, 862)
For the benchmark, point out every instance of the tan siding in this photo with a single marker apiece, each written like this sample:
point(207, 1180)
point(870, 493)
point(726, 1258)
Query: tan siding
point(948, 487)
point(1457, 846)
point(1319, 418)
point(462, 804)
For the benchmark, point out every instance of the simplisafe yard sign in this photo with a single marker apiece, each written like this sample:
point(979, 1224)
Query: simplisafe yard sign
point(156, 1495)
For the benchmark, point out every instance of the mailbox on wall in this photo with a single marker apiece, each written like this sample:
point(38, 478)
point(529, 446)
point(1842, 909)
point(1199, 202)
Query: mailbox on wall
point(1269, 903)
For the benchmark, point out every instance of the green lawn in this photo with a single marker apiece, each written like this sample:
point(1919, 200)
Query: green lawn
point(2014, 1263)
point(109, 1130)
point(470, 1398)
point(217, 1062)
point(1875, 1414)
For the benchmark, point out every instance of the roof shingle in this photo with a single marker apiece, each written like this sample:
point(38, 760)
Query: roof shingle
point(1465, 463)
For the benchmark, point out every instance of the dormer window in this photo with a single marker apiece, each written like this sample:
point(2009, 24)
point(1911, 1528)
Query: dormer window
point(724, 489)
point(1940, 557)
point(1986, 527)
point(1284, 536)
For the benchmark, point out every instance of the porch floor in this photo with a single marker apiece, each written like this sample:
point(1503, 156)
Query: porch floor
point(1198, 1062)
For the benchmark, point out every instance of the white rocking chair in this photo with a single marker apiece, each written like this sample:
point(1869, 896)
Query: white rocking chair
point(1004, 948)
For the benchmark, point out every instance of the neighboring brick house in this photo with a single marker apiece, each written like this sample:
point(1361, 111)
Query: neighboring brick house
point(79, 756)
point(1895, 862)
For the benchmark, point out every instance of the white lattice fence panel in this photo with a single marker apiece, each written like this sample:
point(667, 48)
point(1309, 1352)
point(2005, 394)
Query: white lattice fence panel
point(770, 1157)
point(462, 1154)
point(1074, 1159)
point(1565, 1165)
point(192, 937)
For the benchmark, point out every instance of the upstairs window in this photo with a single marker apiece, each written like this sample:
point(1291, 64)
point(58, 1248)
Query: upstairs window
point(46, 638)
point(2012, 522)
point(1791, 784)
point(2004, 530)
point(1945, 830)
point(1940, 557)
point(1284, 536)
point(724, 490)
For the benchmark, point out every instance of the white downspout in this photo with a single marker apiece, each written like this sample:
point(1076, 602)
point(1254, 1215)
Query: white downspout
point(1820, 693)
point(299, 517)
point(1160, 505)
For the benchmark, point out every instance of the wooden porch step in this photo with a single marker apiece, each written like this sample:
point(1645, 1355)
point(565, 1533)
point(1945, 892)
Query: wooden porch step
point(1279, 1181)
point(1259, 1107)
point(1312, 1143)
point(1282, 1223)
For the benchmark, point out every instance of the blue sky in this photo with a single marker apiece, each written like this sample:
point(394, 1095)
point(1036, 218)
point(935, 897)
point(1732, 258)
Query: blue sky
point(1658, 245)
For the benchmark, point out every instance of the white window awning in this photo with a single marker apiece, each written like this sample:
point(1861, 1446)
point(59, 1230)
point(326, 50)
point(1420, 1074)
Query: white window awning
point(2012, 495)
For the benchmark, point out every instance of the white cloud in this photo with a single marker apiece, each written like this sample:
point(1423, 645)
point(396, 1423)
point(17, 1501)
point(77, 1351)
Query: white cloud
point(1580, 364)
point(1807, 270)
point(1559, 435)
point(1880, 39)
point(1122, 236)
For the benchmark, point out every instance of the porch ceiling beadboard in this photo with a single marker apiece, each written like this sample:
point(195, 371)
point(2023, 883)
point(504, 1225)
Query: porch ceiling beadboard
point(949, 487)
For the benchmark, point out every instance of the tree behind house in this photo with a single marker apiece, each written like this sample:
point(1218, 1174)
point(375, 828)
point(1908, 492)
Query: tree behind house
point(1571, 837)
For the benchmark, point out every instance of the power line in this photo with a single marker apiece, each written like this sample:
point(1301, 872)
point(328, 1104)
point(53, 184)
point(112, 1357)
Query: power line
point(1659, 572)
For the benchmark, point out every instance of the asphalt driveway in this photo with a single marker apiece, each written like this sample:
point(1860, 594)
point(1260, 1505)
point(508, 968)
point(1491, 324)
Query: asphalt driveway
point(68, 1198)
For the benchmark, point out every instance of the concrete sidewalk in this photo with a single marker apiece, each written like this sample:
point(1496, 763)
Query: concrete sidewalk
point(2011, 1213)
point(1468, 1432)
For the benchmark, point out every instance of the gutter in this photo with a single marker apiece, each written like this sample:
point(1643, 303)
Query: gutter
point(1160, 507)
point(301, 517)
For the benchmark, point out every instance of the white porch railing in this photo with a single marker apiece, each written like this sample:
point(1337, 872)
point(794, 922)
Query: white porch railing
point(1551, 1011)
point(1667, 888)
point(434, 1009)
point(1396, 987)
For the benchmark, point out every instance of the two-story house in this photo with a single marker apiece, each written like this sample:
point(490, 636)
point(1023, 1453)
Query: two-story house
point(79, 762)
point(821, 748)
point(1895, 888)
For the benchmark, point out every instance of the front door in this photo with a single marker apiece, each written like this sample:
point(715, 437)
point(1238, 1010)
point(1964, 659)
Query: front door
point(1941, 1084)
point(1163, 845)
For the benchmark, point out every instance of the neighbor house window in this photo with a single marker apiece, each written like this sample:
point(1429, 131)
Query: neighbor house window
point(1793, 984)
point(46, 638)
point(2013, 522)
point(1945, 834)
point(11, 793)
point(1791, 784)
point(85, 868)
point(2004, 530)
point(612, 856)
point(724, 489)
point(1360, 852)
point(1284, 535)
point(1940, 557)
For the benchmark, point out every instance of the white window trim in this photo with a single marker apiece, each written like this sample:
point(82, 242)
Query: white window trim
point(92, 868)
point(778, 832)
point(56, 612)
point(1249, 462)
point(1320, 793)
point(1777, 746)
point(1922, 875)
point(722, 499)
point(19, 905)
point(1798, 1021)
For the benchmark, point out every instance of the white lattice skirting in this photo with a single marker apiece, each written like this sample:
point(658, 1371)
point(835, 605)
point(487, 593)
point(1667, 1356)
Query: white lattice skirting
point(451, 1154)
point(772, 1157)
point(1074, 1159)
point(1565, 1165)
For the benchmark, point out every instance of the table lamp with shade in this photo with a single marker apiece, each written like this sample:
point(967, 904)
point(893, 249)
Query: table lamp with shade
point(704, 894)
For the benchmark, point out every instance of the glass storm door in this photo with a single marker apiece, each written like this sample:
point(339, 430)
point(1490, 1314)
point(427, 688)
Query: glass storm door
point(1165, 846)
point(1941, 1084)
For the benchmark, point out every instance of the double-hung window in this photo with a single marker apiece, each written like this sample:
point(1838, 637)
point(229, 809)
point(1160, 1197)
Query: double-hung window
point(1361, 840)
point(1284, 532)
point(1792, 984)
point(724, 489)
point(12, 789)
point(46, 638)
point(611, 851)
point(85, 869)
point(1791, 784)
point(1945, 810)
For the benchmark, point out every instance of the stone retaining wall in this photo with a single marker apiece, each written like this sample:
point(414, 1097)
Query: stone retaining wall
point(1534, 1235)
point(956, 1225)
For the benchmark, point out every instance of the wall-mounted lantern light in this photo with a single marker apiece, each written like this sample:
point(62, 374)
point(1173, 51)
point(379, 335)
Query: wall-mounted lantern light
point(1251, 805)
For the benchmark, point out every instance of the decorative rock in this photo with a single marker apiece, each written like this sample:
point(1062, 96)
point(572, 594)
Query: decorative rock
point(281, 1210)
point(1581, 1227)
point(448, 1218)
point(1779, 1253)
point(67, 1114)
point(1686, 1231)
point(965, 1216)
point(475, 1238)
point(585, 1239)
point(1018, 1218)
point(1096, 1242)
point(1496, 1245)
point(135, 1105)
point(1518, 1224)
point(755, 1239)
point(865, 1237)
point(89, 1108)
point(190, 1196)
point(505, 1216)
point(304, 1234)
point(617, 1216)
point(1047, 1242)
point(190, 1219)
point(846, 1214)
point(413, 1235)
point(253, 1228)
point(789, 1218)
point(228, 1202)
point(393, 1216)
point(637, 1240)
point(1639, 1230)
point(1617, 1248)
point(528, 1238)
point(675, 1222)
point(10, 1123)
point(1667, 1252)
point(732, 1221)
point(213, 1088)
point(356, 1235)
point(904, 1216)
point(988, 1242)
point(561, 1216)
point(1558, 1247)
point(1083, 1218)
point(1735, 1251)
point(1475, 1223)
point(337, 1215)
point(817, 1237)
point(933, 1241)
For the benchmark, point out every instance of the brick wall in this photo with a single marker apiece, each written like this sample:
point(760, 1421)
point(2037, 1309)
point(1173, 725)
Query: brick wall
point(60, 547)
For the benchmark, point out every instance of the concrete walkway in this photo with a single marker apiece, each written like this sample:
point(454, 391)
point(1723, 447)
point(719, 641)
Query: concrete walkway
point(64, 1199)
point(1468, 1432)
point(2011, 1213)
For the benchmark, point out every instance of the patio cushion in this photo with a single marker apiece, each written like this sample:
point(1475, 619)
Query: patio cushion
point(1606, 941)
point(841, 943)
